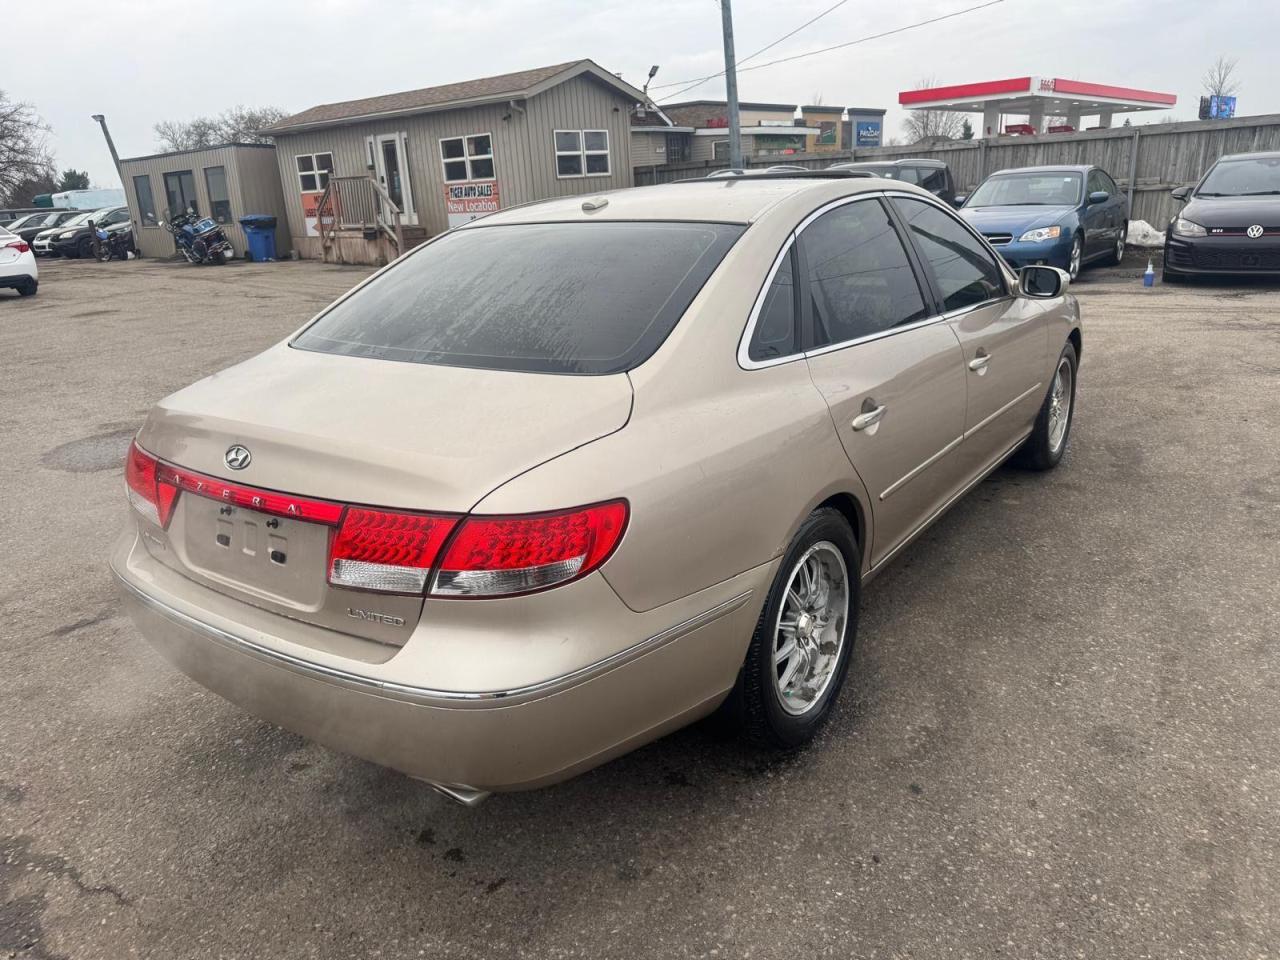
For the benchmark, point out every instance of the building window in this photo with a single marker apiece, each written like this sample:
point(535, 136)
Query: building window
point(467, 158)
point(180, 190)
point(215, 179)
point(313, 171)
point(719, 149)
point(582, 153)
point(146, 202)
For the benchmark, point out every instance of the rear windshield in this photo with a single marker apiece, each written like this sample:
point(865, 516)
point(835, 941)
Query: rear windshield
point(580, 298)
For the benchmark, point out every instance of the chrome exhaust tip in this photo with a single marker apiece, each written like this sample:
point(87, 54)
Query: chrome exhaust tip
point(467, 796)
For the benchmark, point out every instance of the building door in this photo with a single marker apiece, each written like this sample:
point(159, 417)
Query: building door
point(391, 167)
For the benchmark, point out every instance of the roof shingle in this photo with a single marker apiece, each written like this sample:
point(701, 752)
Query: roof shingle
point(507, 84)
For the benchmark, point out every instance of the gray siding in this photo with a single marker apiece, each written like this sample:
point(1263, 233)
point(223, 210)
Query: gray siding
point(649, 148)
point(253, 186)
point(524, 154)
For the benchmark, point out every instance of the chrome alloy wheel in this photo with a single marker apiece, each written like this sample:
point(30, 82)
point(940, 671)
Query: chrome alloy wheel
point(1060, 406)
point(1077, 253)
point(1120, 246)
point(809, 634)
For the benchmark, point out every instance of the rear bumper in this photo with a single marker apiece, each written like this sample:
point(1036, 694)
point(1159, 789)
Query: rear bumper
point(517, 738)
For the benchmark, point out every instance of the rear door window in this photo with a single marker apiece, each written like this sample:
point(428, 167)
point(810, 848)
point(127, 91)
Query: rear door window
point(775, 332)
point(576, 298)
point(860, 279)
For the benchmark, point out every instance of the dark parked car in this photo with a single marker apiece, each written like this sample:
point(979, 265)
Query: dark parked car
point(75, 240)
point(933, 175)
point(1061, 216)
point(1231, 223)
point(30, 226)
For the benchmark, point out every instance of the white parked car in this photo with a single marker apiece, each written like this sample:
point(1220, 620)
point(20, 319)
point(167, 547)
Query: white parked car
point(17, 264)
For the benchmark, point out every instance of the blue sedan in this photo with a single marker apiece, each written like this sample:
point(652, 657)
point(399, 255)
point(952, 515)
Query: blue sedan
point(1061, 216)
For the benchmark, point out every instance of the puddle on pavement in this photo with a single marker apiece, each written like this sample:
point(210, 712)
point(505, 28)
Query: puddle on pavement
point(102, 451)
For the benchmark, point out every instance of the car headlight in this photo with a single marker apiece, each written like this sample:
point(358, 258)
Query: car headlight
point(1188, 228)
point(1040, 234)
point(67, 235)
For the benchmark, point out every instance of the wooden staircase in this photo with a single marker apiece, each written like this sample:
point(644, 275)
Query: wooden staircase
point(359, 223)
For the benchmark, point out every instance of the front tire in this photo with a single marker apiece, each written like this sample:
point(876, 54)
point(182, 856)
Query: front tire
point(800, 650)
point(1048, 441)
point(1075, 257)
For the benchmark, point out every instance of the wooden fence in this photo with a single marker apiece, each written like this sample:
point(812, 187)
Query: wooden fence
point(1154, 159)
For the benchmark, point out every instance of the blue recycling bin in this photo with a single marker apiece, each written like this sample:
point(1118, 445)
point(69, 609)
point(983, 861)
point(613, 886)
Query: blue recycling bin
point(260, 235)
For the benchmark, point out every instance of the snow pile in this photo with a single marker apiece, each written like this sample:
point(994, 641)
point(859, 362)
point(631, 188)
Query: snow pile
point(1142, 234)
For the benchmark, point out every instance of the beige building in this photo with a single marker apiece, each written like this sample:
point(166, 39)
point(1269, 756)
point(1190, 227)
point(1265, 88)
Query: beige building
point(225, 182)
point(434, 158)
point(698, 131)
point(825, 124)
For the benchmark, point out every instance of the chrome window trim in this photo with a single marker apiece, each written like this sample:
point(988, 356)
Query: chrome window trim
point(744, 344)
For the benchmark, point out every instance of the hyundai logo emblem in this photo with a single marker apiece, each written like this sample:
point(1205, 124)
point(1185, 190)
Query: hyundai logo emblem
point(238, 457)
point(1254, 232)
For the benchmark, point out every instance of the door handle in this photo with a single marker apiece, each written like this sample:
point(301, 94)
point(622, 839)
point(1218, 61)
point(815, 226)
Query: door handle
point(868, 418)
point(980, 360)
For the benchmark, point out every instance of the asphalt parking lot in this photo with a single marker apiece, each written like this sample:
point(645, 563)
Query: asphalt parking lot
point(1060, 736)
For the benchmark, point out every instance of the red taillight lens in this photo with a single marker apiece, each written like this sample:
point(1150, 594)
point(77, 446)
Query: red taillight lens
point(151, 498)
point(496, 556)
point(20, 245)
point(389, 552)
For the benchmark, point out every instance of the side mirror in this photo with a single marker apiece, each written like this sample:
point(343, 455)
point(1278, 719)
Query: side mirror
point(958, 200)
point(1181, 193)
point(1099, 196)
point(1043, 283)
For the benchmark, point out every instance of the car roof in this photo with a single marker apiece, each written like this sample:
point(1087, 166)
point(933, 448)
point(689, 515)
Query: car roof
point(903, 162)
point(1260, 155)
point(1052, 168)
point(719, 199)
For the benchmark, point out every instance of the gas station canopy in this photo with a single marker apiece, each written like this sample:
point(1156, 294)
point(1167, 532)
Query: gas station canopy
point(1036, 98)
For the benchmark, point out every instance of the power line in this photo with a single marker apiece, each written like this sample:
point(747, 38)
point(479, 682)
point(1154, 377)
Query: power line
point(841, 46)
point(750, 56)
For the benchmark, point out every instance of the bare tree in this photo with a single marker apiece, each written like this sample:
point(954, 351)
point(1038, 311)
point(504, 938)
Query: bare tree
point(931, 124)
point(25, 162)
point(1220, 79)
point(238, 125)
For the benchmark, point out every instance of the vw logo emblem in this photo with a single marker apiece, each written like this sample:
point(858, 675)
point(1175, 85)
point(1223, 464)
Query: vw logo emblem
point(237, 457)
point(1254, 232)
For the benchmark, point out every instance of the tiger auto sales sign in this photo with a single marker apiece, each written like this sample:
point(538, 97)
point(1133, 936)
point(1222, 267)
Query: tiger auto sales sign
point(465, 201)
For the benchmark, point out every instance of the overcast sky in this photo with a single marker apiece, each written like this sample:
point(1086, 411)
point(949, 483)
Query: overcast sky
point(141, 61)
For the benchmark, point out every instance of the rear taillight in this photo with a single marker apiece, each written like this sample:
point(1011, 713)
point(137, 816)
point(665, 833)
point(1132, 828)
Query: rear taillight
point(149, 497)
point(392, 551)
point(498, 556)
point(387, 552)
point(20, 245)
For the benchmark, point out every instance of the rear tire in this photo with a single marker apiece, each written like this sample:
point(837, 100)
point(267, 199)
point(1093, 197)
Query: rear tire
point(1048, 441)
point(1117, 254)
point(29, 288)
point(782, 699)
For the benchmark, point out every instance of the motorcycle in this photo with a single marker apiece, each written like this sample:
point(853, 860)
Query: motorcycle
point(199, 239)
point(114, 244)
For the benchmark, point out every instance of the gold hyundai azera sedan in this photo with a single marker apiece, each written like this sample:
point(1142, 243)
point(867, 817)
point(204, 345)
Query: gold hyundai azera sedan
point(581, 472)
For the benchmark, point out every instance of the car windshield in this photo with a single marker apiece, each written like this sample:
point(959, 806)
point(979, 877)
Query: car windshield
point(570, 298)
point(1255, 176)
point(79, 218)
point(1028, 189)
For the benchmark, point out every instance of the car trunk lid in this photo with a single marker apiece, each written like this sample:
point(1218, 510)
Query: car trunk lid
point(336, 430)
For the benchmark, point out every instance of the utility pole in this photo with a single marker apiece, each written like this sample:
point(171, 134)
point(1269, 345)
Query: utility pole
point(731, 87)
point(115, 157)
